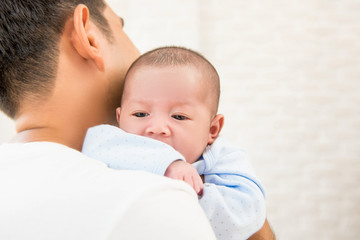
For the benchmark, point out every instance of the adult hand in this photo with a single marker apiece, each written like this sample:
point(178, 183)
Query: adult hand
point(184, 171)
point(265, 233)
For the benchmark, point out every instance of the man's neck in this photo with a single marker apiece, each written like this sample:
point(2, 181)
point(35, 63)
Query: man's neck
point(48, 135)
point(64, 127)
point(34, 129)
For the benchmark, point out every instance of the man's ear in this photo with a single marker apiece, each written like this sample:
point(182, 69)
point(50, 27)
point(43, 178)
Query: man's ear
point(85, 37)
point(216, 125)
point(118, 110)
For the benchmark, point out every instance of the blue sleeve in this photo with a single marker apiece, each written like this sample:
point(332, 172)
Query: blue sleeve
point(233, 199)
point(121, 150)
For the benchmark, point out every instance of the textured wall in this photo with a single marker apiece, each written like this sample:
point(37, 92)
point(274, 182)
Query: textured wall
point(290, 73)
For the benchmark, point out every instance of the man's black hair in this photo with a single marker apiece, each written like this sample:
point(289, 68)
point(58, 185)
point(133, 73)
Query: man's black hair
point(30, 32)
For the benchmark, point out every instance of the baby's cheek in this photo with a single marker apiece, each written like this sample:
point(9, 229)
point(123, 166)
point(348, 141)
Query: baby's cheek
point(197, 149)
point(193, 155)
point(131, 127)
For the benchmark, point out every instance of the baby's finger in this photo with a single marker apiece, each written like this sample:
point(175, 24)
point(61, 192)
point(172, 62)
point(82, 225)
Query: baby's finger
point(198, 184)
point(189, 179)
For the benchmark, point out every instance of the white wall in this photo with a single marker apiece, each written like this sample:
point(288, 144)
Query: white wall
point(7, 128)
point(290, 73)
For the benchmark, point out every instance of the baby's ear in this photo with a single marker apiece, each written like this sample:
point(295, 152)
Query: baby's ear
point(216, 125)
point(118, 110)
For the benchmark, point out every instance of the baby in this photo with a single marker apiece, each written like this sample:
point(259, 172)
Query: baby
point(171, 94)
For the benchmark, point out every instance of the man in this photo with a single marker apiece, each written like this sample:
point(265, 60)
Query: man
point(62, 66)
point(61, 70)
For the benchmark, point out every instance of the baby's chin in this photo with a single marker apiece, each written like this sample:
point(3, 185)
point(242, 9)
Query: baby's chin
point(191, 162)
point(192, 159)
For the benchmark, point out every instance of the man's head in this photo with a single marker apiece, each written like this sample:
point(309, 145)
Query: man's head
point(62, 66)
point(171, 94)
point(30, 32)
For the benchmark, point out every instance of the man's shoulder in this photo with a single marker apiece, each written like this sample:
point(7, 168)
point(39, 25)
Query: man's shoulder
point(48, 157)
point(64, 182)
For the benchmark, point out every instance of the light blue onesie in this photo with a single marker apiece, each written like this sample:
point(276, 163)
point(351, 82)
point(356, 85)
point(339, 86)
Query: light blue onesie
point(233, 199)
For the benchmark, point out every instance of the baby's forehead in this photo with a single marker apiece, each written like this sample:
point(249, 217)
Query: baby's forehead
point(203, 79)
point(192, 71)
point(182, 76)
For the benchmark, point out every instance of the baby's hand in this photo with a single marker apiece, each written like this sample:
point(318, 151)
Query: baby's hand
point(186, 172)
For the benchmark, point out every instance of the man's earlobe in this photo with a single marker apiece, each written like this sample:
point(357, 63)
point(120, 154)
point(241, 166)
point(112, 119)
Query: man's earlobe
point(84, 37)
point(118, 110)
point(215, 127)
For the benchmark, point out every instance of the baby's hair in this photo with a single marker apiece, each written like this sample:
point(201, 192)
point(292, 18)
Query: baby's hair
point(180, 56)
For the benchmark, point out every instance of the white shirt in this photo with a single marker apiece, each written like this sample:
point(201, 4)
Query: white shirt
point(49, 191)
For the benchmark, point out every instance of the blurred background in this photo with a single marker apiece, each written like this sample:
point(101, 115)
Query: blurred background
point(290, 75)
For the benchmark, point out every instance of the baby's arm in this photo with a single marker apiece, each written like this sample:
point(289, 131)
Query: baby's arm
point(233, 199)
point(121, 150)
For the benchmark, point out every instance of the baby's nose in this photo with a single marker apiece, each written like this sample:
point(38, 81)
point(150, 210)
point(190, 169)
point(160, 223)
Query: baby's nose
point(159, 129)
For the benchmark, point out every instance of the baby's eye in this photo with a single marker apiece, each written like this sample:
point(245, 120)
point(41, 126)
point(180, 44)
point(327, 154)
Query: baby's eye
point(140, 114)
point(179, 117)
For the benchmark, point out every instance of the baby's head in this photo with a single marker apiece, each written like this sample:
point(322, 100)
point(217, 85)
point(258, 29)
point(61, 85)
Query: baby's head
point(171, 94)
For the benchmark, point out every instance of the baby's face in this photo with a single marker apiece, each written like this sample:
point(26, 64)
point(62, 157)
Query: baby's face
point(168, 104)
